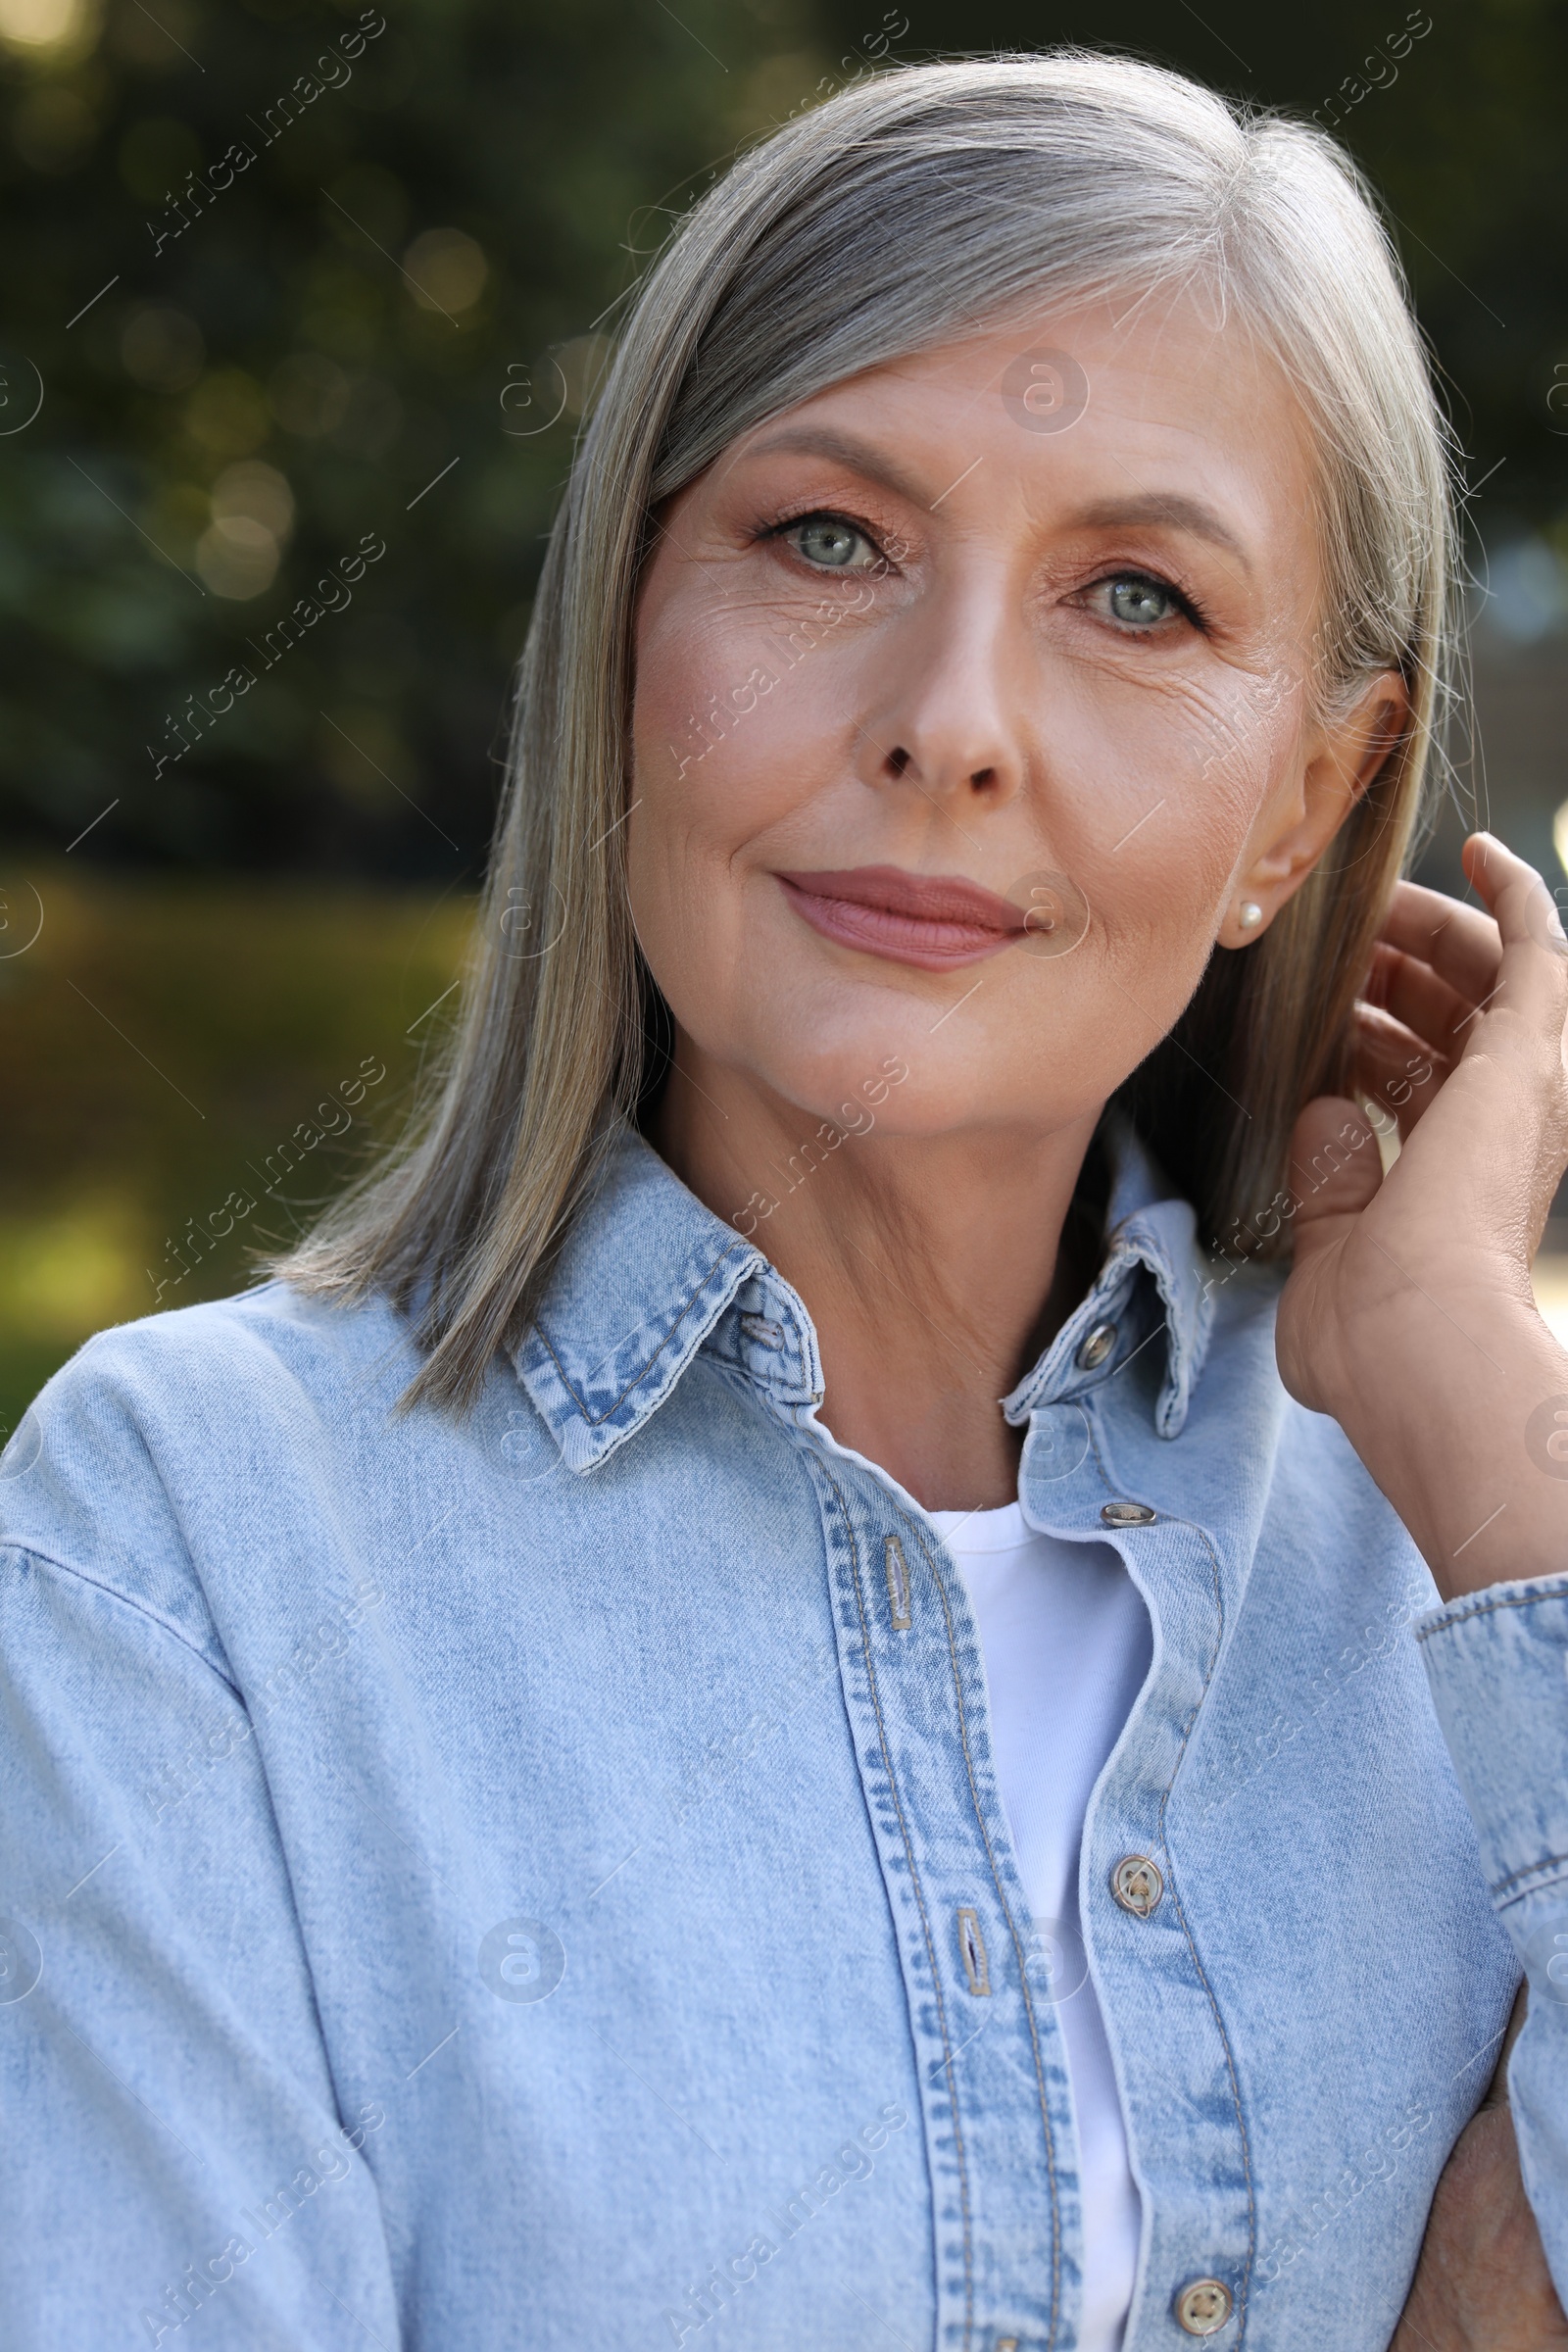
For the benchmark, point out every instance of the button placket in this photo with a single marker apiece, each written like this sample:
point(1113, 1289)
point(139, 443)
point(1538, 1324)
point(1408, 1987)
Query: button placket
point(990, 2066)
point(1163, 2015)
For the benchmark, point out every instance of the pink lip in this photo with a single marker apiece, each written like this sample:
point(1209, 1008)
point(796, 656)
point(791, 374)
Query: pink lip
point(935, 921)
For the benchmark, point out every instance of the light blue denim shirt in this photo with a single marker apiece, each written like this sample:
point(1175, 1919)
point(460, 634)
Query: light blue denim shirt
point(539, 1879)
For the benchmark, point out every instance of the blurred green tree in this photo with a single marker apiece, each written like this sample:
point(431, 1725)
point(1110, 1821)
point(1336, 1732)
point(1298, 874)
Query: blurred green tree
point(291, 275)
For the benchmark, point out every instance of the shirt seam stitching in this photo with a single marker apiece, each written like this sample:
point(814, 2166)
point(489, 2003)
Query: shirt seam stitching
point(1484, 1609)
point(758, 1384)
point(1515, 1876)
point(93, 1584)
point(597, 1420)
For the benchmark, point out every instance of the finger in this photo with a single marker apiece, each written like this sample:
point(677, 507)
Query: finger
point(1333, 1167)
point(1461, 943)
point(1395, 1069)
point(1415, 995)
point(1533, 970)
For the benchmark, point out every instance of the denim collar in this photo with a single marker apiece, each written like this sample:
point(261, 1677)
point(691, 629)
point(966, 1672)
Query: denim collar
point(648, 1277)
point(1154, 1281)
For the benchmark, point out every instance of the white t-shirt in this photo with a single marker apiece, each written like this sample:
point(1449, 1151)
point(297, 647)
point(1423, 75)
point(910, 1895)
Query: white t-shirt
point(1066, 1642)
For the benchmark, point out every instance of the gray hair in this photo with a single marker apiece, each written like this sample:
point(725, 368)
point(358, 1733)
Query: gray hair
point(887, 222)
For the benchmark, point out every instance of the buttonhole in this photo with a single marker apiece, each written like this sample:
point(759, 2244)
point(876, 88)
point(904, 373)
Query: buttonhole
point(898, 1575)
point(972, 1944)
point(759, 1328)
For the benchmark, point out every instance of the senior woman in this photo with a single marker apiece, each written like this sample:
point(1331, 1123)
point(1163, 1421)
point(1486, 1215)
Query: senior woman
point(746, 1698)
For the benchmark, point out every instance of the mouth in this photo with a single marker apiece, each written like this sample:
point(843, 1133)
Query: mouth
point(934, 921)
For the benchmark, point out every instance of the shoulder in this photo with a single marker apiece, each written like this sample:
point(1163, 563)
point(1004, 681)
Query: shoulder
point(203, 1373)
point(159, 1429)
point(274, 1331)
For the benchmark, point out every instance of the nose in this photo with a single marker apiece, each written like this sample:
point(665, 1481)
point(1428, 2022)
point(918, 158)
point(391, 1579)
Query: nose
point(946, 713)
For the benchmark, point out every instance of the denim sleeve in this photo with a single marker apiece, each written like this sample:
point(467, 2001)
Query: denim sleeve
point(174, 2148)
point(1497, 1663)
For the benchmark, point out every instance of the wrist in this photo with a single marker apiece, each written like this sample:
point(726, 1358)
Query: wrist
point(1454, 1406)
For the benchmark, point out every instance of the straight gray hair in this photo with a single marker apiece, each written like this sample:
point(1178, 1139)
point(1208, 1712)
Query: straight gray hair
point(884, 222)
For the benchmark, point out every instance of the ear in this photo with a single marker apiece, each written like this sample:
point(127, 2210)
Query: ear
point(1337, 763)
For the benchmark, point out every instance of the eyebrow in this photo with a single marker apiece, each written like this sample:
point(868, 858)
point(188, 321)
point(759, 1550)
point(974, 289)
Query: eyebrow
point(1168, 509)
point(843, 448)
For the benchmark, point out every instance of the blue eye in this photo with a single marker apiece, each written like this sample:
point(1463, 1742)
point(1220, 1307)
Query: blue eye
point(830, 542)
point(1139, 601)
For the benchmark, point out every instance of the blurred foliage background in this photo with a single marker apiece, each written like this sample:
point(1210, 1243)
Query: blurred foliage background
point(282, 280)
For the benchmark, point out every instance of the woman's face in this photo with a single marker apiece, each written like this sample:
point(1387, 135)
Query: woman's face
point(973, 697)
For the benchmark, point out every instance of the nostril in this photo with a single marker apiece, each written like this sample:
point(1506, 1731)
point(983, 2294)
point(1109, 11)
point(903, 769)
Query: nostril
point(984, 775)
point(898, 760)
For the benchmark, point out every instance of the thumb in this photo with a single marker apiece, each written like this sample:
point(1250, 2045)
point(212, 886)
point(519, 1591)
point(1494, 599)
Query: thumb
point(1334, 1169)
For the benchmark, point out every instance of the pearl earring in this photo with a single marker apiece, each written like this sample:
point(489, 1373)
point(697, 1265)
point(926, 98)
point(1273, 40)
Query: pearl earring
point(1249, 914)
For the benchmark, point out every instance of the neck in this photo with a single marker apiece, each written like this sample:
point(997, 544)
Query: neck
point(935, 1268)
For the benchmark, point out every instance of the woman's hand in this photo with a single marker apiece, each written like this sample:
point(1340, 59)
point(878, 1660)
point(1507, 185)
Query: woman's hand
point(1482, 2283)
point(1409, 1315)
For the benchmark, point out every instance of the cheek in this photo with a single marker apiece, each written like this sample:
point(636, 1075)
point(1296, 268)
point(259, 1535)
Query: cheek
point(718, 759)
point(1240, 791)
point(702, 745)
point(1217, 723)
point(1152, 791)
point(734, 735)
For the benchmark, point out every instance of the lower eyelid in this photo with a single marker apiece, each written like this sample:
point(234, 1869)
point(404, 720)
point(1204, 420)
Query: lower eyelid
point(840, 571)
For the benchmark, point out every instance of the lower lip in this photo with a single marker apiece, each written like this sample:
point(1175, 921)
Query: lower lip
point(932, 947)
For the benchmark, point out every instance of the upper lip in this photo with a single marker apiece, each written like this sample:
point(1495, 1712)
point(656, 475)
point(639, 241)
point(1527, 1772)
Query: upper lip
point(921, 898)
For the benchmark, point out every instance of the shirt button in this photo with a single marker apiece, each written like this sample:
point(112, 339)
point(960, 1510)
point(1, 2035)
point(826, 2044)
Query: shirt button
point(1096, 1347)
point(1126, 1514)
point(1138, 1883)
point(1205, 2306)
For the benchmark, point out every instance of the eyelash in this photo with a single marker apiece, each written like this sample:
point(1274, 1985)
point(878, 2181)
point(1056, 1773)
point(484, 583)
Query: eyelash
point(1184, 601)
